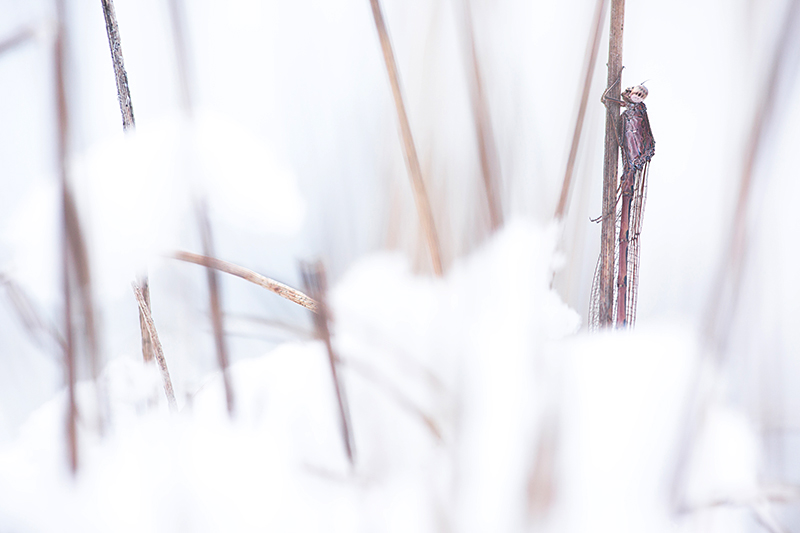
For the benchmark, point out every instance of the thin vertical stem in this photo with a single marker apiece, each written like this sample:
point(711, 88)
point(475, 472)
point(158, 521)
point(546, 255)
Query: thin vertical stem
point(114, 43)
point(159, 352)
point(490, 162)
point(147, 342)
point(181, 54)
point(128, 123)
point(316, 286)
point(610, 160)
point(725, 295)
point(592, 49)
point(215, 305)
point(66, 256)
point(412, 160)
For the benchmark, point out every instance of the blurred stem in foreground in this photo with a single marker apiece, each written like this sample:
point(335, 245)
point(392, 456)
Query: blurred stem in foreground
point(316, 285)
point(21, 36)
point(75, 272)
point(412, 160)
point(487, 149)
point(725, 294)
point(724, 297)
point(592, 49)
point(215, 305)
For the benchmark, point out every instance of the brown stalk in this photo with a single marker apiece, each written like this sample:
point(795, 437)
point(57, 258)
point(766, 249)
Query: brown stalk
point(385, 385)
point(147, 343)
point(725, 296)
point(114, 43)
point(592, 49)
point(542, 477)
point(610, 159)
point(144, 309)
point(128, 123)
point(316, 285)
point(412, 160)
point(278, 288)
point(177, 19)
point(67, 241)
point(17, 38)
point(487, 149)
point(39, 329)
point(215, 304)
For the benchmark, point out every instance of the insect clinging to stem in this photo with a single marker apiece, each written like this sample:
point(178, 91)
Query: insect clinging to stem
point(635, 139)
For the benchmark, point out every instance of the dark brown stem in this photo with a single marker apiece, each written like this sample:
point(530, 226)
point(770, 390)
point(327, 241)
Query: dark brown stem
point(215, 304)
point(412, 160)
point(316, 285)
point(610, 159)
point(490, 162)
point(159, 352)
point(278, 288)
point(114, 43)
point(592, 49)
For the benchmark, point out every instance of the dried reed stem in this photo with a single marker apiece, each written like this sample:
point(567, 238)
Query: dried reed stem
point(17, 38)
point(114, 43)
point(610, 159)
point(487, 149)
point(144, 308)
point(388, 388)
point(592, 49)
point(32, 320)
point(316, 285)
point(543, 476)
point(724, 297)
point(278, 288)
point(147, 342)
point(215, 305)
point(177, 19)
point(128, 123)
point(67, 252)
point(412, 160)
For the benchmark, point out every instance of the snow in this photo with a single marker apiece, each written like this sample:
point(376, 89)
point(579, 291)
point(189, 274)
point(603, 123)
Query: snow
point(450, 383)
point(478, 401)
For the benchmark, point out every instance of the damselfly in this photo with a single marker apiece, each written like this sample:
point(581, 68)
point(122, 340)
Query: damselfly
point(638, 147)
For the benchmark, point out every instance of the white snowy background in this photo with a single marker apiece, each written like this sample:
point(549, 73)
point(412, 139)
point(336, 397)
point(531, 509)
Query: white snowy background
point(479, 401)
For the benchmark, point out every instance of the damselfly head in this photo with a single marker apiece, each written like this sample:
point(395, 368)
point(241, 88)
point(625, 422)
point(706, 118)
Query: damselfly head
point(635, 94)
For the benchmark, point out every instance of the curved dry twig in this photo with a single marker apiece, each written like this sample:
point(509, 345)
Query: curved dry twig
point(277, 287)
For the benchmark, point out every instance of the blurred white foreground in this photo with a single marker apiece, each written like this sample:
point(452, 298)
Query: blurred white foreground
point(474, 406)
